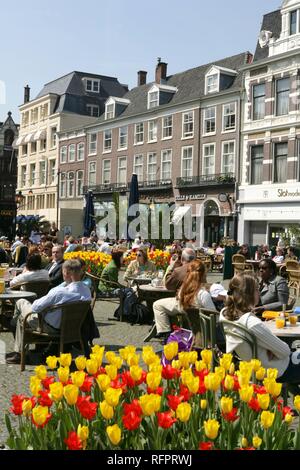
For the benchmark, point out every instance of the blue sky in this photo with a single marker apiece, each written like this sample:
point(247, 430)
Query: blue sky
point(42, 40)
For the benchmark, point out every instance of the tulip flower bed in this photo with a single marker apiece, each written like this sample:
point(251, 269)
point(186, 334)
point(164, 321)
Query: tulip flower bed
point(95, 262)
point(161, 259)
point(184, 405)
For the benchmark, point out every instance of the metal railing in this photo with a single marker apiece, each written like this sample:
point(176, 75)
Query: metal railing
point(120, 187)
point(206, 180)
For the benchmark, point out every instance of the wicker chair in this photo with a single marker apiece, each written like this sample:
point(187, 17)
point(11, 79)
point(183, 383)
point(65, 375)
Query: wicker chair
point(73, 316)
point(293, 271)
point(203, 322)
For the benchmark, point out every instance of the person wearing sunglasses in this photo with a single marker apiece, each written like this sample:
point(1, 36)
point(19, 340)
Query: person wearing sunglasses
point(139, 266)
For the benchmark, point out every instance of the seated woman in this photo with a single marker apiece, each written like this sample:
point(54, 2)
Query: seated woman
point(110, 274)
point(290, 256)
point(273, 289)
point(140, 265)
point(245, 251)
point(279, 257)
point(32, 272)
point(243, 294)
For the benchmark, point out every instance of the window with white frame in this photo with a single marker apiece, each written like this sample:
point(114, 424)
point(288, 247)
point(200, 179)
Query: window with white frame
point(72, 152)
point(152, 131)
point(151, 166)
point(110, 111)
point(209, 124)
point(138, 161)
point(93, 85)
point(42, 173)
point(53, 137)
point(212, 83)
point(79, 183)
point(229, 117)
point(188, 124)
point(43, 145)
point(209, 159)
point(282, 96)
point(80, 152)
point(187, 162)
point(106, 172)
point(23, 176)
point(63, 154)
point(92, 144)
point(32, 175)
point(24, 149)
point(122, 170)
point(167, 127)
point(33, 147)
point(294, 22)
point(166, 164)
point(153, 99)
point(52, 173)
point(123, 137)
point(93, 110)
point(71, 184)
point(256, 164)
point(280, 162)
point(92, 174)
point(139, 133)
point(107, 140)
point(63, 186)
point(228, 156)
point(259, 101)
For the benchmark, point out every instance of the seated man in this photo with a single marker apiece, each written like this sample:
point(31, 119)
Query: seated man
point(32, 272)
point(218, 294)
point(74, 290)
point(55, 267)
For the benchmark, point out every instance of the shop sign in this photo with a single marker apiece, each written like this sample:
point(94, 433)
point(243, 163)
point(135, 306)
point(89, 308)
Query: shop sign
point(7, 213)
point(287, 193)
point(190, 197)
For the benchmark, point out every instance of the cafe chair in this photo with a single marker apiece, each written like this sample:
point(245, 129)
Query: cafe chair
point(293, 272)
point(106, 296)
point(203, 323)
point(73, 316)
point(238, 263)
point(40, 288)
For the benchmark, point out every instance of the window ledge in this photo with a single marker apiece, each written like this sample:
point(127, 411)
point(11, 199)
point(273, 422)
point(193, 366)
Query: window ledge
point(186, 138)
point(167, 138)
point(229, 131)
point(139, 143)
point(106, 151)
point(121, 149)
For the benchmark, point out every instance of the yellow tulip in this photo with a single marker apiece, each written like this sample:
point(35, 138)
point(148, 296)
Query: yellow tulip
point(220, 371)
point(246, 368)
point(256, 441)
point(297, 402)
point(112, 396)
point(127, 351)
point(193, 356)
point(136, 373)
point(56, 391)
point(211, 428)
point(92, 366)
point(99, 351)
point(118, 362)
point(243, 378)
point(80, 362)
point(256, 364)
point(231, 369)
point(78, 378)
point(114, 434)
point(155, 367)
point(186, 375)
point(264, 401)
point(149, 357)
point(272, 374)
point(107, 411)
point(103, 381)
point(133, 359)
point(244, 442)
point(260, 373)
point(110, 356)
point(71, 394)
point(41, 372)
point(111, 371)
point(65, 360)
point(63, 374)
point(229, 382)
point(206, 356)
point(40, 414)
point(35, 385)
point(200, 365)
point(193, 384)
point(183, 358)
point(150, 403)
point(153, 380)
point(51, 362)
point(226, 405)
point(246, 393)
point(289, 418)
point(176, 364)
point(96, 358)
point(212, 381)
point(83, 432)
point(26, 407)
point(272, 387)
point(203, 404)
point(267, 419)
point(226, 361)
point(171, 350)
point(183, 412)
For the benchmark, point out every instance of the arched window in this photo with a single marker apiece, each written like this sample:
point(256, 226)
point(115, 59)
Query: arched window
point(9, 137)
point(211, 208)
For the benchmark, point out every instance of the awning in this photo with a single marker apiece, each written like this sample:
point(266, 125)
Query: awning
point(19, 141)
point(179, 213)
point(40, 135)
point(29, 138)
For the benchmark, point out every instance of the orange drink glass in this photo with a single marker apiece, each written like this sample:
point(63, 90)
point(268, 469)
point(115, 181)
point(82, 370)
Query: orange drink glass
point(280, 322)
point(2, 286)
point(293, 320)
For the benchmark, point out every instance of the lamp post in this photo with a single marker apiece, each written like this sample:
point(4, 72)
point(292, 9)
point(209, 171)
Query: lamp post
point(57, 197)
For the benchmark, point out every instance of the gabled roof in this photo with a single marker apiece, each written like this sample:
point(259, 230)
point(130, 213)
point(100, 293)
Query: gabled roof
point(271, 22)
point(190, 86)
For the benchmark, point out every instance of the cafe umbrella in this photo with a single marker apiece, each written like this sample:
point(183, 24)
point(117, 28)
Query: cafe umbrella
point(133, 198)
point(89, 214)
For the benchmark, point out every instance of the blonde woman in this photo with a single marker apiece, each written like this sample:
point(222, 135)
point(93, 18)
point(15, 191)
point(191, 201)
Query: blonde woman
point(139, 265)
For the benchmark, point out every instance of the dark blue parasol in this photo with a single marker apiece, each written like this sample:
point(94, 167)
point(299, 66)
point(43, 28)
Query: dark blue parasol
point(133, 195)
point(89, 214)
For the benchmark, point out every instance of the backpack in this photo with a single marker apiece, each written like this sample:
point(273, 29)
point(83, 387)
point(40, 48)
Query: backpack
point(133, 311)
point(141, 314)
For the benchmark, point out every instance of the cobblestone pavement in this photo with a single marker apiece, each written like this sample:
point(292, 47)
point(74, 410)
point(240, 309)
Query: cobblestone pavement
point(114, 335)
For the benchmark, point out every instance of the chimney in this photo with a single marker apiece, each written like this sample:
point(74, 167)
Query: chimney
point(160, 71)
point(26, 94)
point(142, 78)
point(249, 58)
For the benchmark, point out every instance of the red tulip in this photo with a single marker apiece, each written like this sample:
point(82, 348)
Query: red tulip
point(170, 372)
point(165, 420)
point(174, 401)
point(259, 389)
point(158, 391)
point(131, 421)
point(206, 446)
point(73, 442)
point(86, 409)
point(254, 405)
point(16, 401)
point(133, 407)
point(44, 399)
point(47, 381)
point(232, 416)
point(87, 384)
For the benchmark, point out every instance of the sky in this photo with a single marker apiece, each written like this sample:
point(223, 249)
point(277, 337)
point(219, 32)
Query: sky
point(43, 40)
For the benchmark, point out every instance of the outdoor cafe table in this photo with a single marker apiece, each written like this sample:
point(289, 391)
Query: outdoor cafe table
point(139, 280)
point(150, 294)
point(288, 334)
point(13, 296)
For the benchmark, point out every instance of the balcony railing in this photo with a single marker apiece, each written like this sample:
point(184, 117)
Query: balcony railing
point(155, 184)
point(206, 180)
point(106, 188)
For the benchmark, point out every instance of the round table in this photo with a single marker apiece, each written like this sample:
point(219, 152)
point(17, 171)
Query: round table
point(150, 294)
point(288, 334)
point(140, 280)
point(13, 296)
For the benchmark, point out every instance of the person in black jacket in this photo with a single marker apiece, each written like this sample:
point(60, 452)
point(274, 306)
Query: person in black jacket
point(55, 267)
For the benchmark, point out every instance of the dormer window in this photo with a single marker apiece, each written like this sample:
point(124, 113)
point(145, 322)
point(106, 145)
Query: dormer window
point(294, 22)
point(92, 85)
point(212, 83)
point(160, 94)
point(153, 99)
point(110, 111)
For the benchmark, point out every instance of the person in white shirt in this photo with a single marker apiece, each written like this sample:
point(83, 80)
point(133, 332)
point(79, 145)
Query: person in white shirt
point(32, 272)
point(74, 291)
point(243, 295)
point(279, 257)
point(104, 247)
